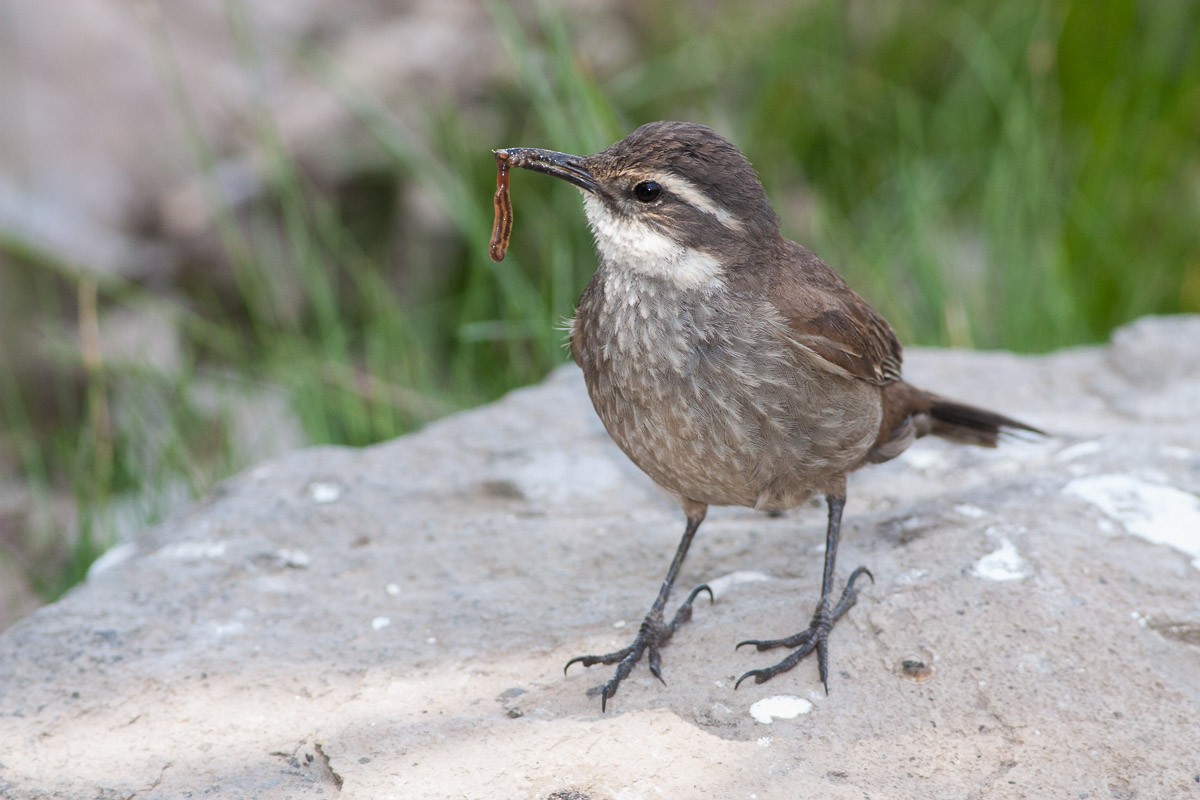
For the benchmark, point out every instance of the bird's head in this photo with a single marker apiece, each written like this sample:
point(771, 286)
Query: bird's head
point(671, 198)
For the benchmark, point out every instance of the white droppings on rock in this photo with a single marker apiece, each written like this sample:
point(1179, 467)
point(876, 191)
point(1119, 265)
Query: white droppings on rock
point(969, 511)
point(1158, 513)
point(911, 577)
point(922, 458)
point(379, 623)
point(1079, 451)
point(780, 706)
point(619, 624)
point(392, 589)
point(232, 628)
point(193, 550)
point(1003, 564)
point(722, 584)
point(764, 741)
point(324, 492)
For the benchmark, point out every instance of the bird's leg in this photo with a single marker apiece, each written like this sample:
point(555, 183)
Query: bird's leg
point(654, 632)
point(816, 635)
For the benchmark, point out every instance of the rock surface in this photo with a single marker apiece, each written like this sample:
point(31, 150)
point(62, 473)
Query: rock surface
point(392, 622)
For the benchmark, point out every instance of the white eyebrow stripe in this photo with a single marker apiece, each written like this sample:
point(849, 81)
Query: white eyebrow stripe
point(686, 190)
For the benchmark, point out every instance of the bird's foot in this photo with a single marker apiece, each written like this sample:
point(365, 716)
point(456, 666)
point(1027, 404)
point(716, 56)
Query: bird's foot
point(814, 637)
point(653, 634)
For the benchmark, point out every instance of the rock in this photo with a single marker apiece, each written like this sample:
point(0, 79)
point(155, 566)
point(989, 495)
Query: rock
point(392, 622)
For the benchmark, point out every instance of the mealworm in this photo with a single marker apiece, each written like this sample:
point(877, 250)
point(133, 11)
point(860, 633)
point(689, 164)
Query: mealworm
point(502, 226)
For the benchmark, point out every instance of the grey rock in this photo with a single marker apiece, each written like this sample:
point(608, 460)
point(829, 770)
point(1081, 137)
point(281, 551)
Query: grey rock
point(392, 622)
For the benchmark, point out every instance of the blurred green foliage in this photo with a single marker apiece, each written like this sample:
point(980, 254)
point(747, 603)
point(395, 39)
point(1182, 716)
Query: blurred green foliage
point(1019, 175)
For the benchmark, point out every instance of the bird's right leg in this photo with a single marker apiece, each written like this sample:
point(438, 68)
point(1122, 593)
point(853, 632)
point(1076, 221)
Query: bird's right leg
point(654, 632)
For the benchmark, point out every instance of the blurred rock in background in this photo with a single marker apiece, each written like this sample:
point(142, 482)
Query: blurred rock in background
point(128, 128)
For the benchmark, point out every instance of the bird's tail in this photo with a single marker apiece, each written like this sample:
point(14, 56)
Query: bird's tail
point(910, 413)
point(967, 424)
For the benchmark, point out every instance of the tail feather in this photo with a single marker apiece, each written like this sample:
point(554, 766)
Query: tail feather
point(910, 413)
point(967, 424)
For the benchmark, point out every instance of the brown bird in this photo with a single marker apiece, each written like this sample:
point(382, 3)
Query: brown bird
point(731, 364)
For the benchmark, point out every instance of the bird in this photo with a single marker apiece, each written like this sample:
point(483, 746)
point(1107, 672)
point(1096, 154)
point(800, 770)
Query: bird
point(730, 364)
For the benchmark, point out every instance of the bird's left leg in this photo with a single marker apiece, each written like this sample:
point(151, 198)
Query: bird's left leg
point(816, 635)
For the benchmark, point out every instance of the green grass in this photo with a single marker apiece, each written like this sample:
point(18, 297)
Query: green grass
point(1005, 175)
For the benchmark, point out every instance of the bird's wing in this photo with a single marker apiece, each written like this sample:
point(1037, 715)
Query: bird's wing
point(825, 316)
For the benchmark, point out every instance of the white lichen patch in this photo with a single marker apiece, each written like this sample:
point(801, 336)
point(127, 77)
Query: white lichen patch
point(193, 550)
point(780, 706)
point(1156, 512)
point(1080, 450)
point(969, 511)
point(723, 584)
point(924, 458)
point(231, 628)
point(1003, 564)
point(322, 492)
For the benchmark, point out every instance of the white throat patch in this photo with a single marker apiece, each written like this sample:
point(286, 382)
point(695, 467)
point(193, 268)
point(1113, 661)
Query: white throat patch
point(627, 244)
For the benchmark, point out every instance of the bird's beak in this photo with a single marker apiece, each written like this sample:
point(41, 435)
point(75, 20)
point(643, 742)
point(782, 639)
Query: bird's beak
point(570, 168)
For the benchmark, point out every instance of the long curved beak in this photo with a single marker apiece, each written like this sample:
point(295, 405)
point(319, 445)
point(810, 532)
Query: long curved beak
point(561, 165)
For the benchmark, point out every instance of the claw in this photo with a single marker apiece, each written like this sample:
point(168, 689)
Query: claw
point(652, 634)
point(656, 664)
point(608, 692)
point(814, 637)
point(855, 576)
point(823, 661)
point(757, 675)
point(770, 644)
point(587, 661)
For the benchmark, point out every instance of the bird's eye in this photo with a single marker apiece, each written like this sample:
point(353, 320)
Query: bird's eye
point(647, 191)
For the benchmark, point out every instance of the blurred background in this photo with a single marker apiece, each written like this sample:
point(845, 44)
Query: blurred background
point(228, 230)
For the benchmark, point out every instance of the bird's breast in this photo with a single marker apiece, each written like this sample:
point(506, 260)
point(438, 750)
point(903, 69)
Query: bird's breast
point(702, 390)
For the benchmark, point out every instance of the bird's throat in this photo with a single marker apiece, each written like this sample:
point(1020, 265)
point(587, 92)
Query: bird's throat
point(627, 245)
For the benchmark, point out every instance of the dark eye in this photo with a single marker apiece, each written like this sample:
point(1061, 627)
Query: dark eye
point(647, 191)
